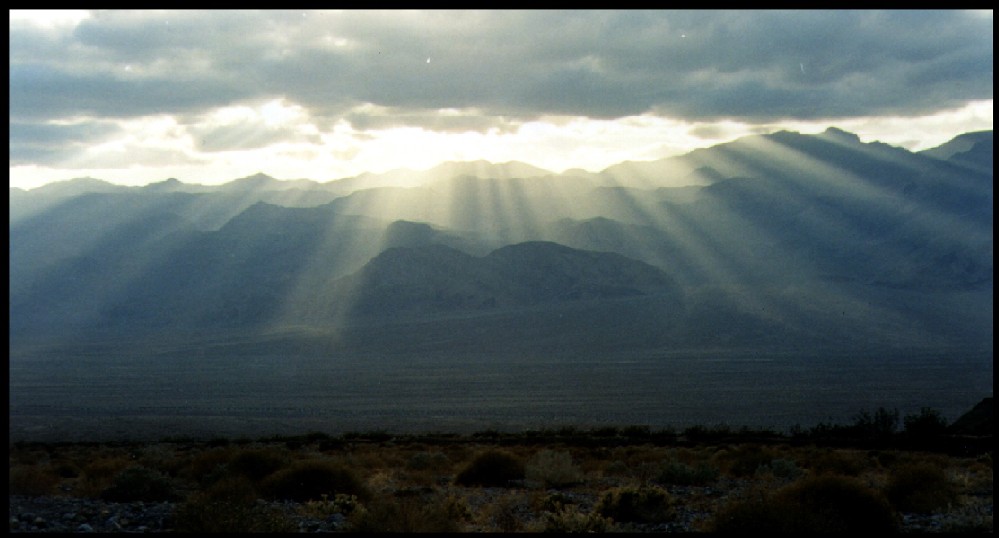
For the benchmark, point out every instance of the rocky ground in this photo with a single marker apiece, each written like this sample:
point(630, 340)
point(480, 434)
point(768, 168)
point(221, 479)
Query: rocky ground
point(60, 514)
point(62, 488)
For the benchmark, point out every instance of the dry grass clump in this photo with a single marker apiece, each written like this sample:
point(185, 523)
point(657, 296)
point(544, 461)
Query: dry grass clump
point(744, 460)
point(646, 504)
point(312, 479)
point(677, 473)
point(257, 464)
point(506, 513)
point(491, 468)
point(410, 513)
point(552, 469)
point(428, 460)
point(229, 506)
point(139, 483)
point(34, 480)
point(841, 462)
point(204, 467)
point(99, 474)
point(571, 518)
point(920, 487)
point(823, 504)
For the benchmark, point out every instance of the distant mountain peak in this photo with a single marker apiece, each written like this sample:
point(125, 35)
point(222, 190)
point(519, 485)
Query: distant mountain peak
point(836, 132)
point(959, 144)
point(80, 185)
point(258, 177)
point(165, 185)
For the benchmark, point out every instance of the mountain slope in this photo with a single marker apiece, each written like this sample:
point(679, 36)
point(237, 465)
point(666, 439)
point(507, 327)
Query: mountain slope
point(438, 278)
point(791, 238)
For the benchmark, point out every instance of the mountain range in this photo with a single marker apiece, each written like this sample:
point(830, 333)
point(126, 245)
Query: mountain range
point(780, 240)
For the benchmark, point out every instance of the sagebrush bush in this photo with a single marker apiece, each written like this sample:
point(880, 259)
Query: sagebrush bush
point(206, 466)
point(570, 518)
point(646, 504)
point(99, 473)
point(839, 462)
point(780, 468)
point(140, 484)
point(310, 480)
point(257, 464)
point(825, 504)
point(409, 514)
point(551, 468)
point(31, 480)
point(422, 461)
point(341, 503)
point(743, 461)
point(919, 487)
point(617, 468)
point(505, 514)
point(491, 468)
point(229, 505)
point(677, 473)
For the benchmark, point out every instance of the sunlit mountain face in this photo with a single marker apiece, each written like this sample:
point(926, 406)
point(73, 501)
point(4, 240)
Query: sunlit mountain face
point(788, 244)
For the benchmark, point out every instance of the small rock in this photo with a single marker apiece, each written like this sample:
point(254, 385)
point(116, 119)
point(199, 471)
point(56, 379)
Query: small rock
point(84, 527)
point(336, 519)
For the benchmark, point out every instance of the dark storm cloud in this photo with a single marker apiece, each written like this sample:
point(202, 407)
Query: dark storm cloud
point(33, 142)
point(749, 65)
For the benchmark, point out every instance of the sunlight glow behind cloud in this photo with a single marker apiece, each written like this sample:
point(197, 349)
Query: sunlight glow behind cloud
point(131, 97)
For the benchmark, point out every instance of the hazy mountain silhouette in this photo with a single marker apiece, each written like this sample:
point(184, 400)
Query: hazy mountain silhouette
point(959, 144)
point(780, 239)
point(439, 278)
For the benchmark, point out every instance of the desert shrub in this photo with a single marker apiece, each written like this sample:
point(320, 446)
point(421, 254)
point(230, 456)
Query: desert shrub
point(218, 442)
point(410, 514)
point(100, 471)
point(677, 473)
point(646, 504)
point(570, 518)
point(838, 462)
point(67, 469)
point(204, 467)
point(341, 503)
point(491, 468)
point(554, 501)
point(140, 484)
point(780, 468)
point(969, 518)
point(311, 479)
point(257, 464)
point(877, 426)
point(636, 432)
point(831, 504)
point(422, 461)
point(919, 487)
point(552, 469)
point(31, 480)
point(706, 434)
point(507, 513)
point(744, 460)
point(926, 425)
point(220, 512)
point(617, 468)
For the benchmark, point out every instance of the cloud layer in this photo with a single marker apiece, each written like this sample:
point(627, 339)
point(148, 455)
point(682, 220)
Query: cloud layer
point(481, 71)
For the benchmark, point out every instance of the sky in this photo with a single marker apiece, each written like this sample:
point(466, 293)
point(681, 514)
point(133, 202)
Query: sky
point(134, 97)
